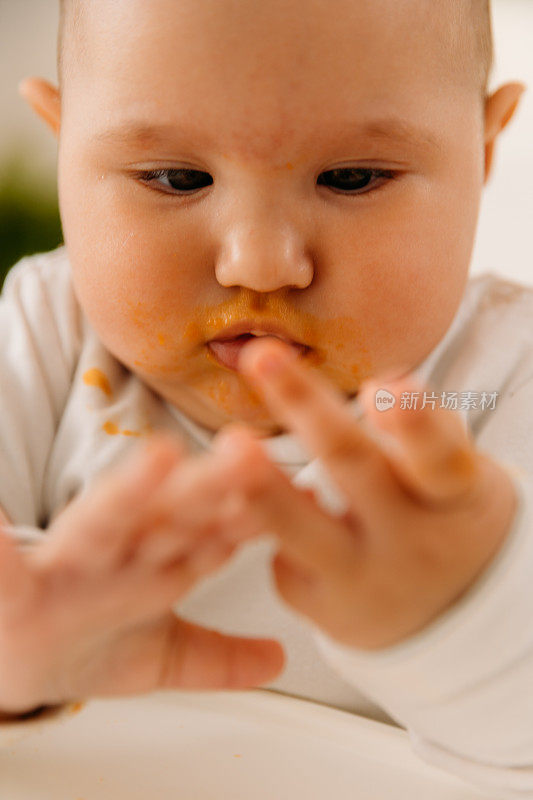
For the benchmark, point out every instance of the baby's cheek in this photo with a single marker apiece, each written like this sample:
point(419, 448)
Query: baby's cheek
point(406, 305)
point(421, 313)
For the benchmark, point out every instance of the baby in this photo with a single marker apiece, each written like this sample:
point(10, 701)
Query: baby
point(269, 210)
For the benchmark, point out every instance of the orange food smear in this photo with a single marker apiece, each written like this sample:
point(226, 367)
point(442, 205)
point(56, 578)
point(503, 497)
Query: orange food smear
point(95, 377)
point(112, 429)
point(338, 346)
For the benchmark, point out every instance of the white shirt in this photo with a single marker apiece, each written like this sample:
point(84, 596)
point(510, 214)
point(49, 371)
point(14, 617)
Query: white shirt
point(463, 687)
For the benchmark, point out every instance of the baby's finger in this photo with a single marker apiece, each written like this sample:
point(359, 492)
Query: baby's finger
point(304, 530)
point(430, 451)
point(171, 653)
point(201, 488)
point(175, 578)
point(205, 491)
point(228, 524)
point(207, 556)
point(97, 527)
point(159, 578)
point(310, 407)
point(298, 587)
point(186, 496)
point(161, 546)
point(199, 658)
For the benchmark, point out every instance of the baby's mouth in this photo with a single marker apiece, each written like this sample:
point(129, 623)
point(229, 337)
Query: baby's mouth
point(227, 349)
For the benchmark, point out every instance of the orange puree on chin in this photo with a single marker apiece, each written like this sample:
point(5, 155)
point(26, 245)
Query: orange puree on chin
point(172, 348)
point(328, 338)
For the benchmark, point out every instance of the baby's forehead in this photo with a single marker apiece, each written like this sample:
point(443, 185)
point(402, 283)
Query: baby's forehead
point(459, 31)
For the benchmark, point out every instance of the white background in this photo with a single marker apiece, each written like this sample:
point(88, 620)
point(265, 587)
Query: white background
point(28, 44)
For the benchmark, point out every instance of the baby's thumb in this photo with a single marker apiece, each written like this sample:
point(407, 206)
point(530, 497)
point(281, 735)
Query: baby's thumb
point(171, 653)
point(200, 658)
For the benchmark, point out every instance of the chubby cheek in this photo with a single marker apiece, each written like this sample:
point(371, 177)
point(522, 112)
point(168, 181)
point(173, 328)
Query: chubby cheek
point(410, 266)
point(135, 281)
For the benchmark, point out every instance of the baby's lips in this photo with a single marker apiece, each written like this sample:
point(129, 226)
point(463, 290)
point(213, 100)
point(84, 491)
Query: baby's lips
point(230, 351)
point(268, 355)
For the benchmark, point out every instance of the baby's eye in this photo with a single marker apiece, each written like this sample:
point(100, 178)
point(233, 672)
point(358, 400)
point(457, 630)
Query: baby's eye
point(353, 180)
point(345, 179)
point(177, 180)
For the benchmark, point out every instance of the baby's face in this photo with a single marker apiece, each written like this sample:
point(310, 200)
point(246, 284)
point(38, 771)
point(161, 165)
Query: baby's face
point(311, 166)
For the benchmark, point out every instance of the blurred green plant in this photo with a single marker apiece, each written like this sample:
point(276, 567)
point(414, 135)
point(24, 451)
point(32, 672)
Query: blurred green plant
point(29, 213)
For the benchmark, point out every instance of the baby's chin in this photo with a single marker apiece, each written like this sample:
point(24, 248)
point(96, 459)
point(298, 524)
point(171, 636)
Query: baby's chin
point(259, 419)
point(213, 404)
point(214, 410)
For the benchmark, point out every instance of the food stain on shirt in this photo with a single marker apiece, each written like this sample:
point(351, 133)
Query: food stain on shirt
point(95, 377)
point(112, 429)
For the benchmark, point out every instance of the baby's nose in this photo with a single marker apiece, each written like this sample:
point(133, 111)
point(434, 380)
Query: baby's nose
point(264, 256)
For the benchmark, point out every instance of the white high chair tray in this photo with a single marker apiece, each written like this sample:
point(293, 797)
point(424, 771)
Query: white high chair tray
point(251, 745)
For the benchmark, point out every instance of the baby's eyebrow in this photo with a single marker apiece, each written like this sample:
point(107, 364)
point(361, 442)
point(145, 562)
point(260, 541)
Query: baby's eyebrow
point(382, 131)
point(141, 133)
point(398, 129)
point(144, 133)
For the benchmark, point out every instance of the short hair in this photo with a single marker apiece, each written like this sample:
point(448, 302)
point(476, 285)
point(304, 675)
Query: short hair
point(70, 14)
point(474, 14)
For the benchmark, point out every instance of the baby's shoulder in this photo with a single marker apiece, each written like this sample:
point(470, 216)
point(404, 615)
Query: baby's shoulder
point(39, 304)
point(499, 316)
point(499, 296)
point(51, 268)
point(43, 278)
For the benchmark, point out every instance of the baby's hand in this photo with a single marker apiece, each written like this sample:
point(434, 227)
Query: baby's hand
point(423, 519)
point(88, 612)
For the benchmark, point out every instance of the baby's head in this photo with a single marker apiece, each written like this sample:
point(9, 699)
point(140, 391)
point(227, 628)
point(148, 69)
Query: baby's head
point(310, 167)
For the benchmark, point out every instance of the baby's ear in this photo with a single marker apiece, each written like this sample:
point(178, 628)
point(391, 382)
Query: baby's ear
point(44, 99)
point(499, 110)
